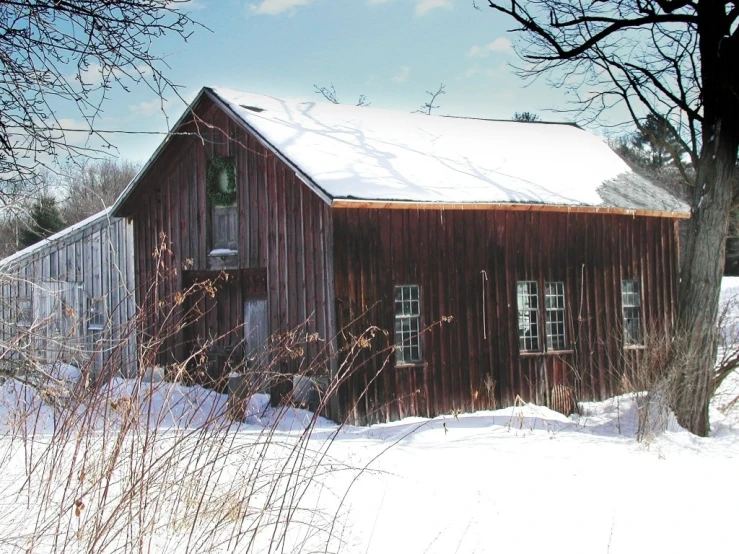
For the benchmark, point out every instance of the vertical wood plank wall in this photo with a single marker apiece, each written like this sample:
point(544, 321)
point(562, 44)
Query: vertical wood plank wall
point(332, 266)
point(456, 255)
point(94, 261)
point(283, 227)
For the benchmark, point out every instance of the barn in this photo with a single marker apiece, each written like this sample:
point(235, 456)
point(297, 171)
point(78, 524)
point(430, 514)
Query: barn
point(498, 260)
point(70, 298)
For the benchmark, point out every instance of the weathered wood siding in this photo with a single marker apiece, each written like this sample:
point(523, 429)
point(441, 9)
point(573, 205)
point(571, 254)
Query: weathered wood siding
point(59, 278)
point(467, 264)
point(284, 229)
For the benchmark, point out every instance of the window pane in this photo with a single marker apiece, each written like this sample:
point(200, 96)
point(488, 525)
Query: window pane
point(407, 324)
point(554, 302)
point(223, 180)
point(528, 316)
point(631, 310)
point(95, 313)
point(24, 313)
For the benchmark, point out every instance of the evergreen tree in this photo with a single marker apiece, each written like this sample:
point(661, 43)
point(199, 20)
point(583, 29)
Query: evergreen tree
point(45, 220)
point(658, 141)
point(526, 116)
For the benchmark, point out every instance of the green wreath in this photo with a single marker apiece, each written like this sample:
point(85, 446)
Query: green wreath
point(217, 195)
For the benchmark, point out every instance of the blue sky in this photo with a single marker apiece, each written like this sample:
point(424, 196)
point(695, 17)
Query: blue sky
point(390, 50)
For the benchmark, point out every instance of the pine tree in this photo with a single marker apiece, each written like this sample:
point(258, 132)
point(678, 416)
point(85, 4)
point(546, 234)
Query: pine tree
point(530, 117)
point(658, 141)
point(45, 220)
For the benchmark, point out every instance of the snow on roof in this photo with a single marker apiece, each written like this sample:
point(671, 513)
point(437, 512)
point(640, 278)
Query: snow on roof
point(379, 155)
point(30, 250)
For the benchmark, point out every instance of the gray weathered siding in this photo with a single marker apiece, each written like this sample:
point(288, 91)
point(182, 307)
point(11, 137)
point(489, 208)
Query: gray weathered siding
point(59, 279)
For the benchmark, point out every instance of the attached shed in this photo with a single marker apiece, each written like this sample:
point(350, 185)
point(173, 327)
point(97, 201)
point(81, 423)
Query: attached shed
point(503, 259)
point(70, 297)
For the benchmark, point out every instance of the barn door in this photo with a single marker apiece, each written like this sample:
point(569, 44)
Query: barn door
point(256, 330)
point(256, 336)
point(225, 228)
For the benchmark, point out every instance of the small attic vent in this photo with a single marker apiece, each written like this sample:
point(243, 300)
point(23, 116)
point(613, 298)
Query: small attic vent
point(252, 108)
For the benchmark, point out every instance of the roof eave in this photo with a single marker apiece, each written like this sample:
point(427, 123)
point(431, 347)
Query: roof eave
point(345, 203)
point(61, 235)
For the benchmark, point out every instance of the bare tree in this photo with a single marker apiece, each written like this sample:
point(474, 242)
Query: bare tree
point(329, 93)
point(80, 189)
point(93, 186)
point(67, 55)
point(17, 197)
point(427, 107)
point(676, 60)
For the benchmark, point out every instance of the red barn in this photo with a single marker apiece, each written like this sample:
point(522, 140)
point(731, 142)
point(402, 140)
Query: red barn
point(502, 258)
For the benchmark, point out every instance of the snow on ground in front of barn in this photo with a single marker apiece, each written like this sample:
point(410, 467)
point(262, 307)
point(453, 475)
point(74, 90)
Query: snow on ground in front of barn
point(523, 479)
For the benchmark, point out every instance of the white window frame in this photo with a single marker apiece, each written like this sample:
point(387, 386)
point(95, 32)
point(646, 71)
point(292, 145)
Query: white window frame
point(555, 317)
point(527, 302)
point(93, 314)
point(631, 311)
point(532, 313)
point(407, 310)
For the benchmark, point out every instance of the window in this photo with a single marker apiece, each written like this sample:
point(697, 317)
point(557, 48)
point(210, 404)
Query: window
point(95, 325)
point(528, 316)
point(527, 294)
point(24, 311)
point(95, 314)
point(407, 324)
point(631, 311)
point(554, 302)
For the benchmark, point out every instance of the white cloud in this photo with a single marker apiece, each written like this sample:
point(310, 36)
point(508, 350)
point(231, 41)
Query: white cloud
point(74, 138)
point(146, 109)
point(91, 75)
point(477, 71)
point(403, 74)
point(375, 2)
point(194, 5)
point(276, 7)
point(424, 6)
point(500, 44)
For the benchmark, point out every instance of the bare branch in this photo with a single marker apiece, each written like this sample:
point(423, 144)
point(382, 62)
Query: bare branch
point(329, 93)
point(564, 51)
point(429, 106)
point(62, 54)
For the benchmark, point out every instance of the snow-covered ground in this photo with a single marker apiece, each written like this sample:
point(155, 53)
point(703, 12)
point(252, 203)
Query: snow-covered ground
point(182, 477)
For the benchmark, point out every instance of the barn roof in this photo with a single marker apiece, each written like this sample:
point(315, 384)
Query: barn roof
point(360, 153)
point(366, 157)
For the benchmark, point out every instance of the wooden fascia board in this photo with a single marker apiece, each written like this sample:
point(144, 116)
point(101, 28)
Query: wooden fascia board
point(299, 173)
point(340, 203)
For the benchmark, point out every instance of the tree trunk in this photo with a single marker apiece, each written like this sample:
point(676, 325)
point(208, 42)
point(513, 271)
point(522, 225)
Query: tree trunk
point(693, 352)
point(694, 348)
